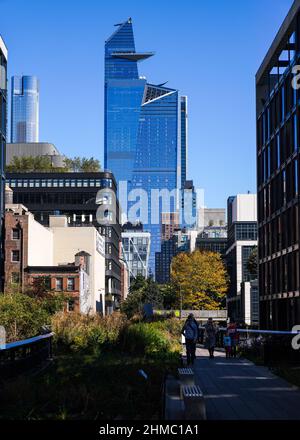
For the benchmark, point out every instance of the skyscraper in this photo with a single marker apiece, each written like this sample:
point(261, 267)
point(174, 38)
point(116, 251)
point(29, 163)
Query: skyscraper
point(24, 109)
point(184, 138)
point(277, 109)
point(142, 130)
point(3, 118)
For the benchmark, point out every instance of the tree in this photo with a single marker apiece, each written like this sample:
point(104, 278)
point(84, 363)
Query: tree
point(201, 279)
point(253, 262)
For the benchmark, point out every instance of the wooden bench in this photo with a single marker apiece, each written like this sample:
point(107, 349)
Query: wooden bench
point(194, 404)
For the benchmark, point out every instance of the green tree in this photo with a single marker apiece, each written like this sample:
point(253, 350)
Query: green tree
point(201, 279)
point(252, 263)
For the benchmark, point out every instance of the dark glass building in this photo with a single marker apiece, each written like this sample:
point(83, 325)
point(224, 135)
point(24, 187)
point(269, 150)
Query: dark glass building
point(3, 125)
point(277, 108)
point(142, 130)
point(74, 195)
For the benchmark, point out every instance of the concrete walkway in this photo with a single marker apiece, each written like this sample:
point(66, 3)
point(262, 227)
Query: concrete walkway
point(237, 389)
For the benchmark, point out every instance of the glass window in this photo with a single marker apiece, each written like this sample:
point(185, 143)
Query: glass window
point(295, 133)
point(49, 183)
point(85, 183)
point(31, 183)
point(20, 183)
point(67, 182)
point(44, 183)
point(71, 305)
point(61, 183)
point(16, 234)
point(278, 150)
point(296, 177)
point(55, 183)
point(15, 277)
point(92, 182)
point(37, 183)
point(79, 183)
point(15, 256)
point(71, 284)
point(73, 183)
point(12, 183)
point(25, 183)
point(58, 284)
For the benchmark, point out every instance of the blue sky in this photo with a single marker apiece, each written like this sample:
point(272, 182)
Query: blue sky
point(209, 50)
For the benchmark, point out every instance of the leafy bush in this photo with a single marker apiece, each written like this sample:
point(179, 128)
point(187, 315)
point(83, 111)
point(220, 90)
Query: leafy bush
point(150, 339)
point(22, 316)
point(80, 332)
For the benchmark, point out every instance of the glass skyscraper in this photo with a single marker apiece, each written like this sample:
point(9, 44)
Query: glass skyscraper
point(24, 109)
point(142, 129)
point(3, 118)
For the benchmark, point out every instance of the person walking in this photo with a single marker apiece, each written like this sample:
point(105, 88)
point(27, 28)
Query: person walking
point(234, 336)
point(190, 331)
point(210, 337)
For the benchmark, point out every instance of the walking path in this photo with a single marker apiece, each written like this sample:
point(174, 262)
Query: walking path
point(237, 389)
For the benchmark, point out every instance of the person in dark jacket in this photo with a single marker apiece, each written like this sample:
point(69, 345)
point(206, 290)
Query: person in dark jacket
point(190, 331)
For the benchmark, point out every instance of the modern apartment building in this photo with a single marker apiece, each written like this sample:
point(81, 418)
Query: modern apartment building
point(212, 239)
point(136, 250)
point(3, 118)
point(142, 144)
point(24, 109)
point(277, 112)
point(75, 196)
point(241, 241)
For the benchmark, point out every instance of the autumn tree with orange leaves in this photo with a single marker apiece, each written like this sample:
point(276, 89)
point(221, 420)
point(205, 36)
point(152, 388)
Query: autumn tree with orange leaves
point(202, 280)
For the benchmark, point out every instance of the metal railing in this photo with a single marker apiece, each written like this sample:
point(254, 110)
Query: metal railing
point(269, 346)
point(17, 357)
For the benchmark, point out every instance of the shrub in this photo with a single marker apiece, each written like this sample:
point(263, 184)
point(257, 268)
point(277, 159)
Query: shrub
point(22, 316)
point(80, 332)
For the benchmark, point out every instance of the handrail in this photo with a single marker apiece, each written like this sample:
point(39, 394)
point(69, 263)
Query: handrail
point(271, 332)
point(26, 341)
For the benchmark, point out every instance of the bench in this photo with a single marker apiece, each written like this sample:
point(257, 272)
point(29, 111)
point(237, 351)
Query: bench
point(194, 404)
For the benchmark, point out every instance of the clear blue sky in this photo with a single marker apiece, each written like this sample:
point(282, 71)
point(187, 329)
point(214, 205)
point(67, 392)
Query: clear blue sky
point(209, 50)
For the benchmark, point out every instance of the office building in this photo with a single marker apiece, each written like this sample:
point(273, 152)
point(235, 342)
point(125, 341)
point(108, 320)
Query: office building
point(142, 132)
point(3, 118)
point(212, 239)
point(74, 194)
point(136, 250)
point(24, 109)
point(210, 217)
point(277, 112)
point(71, 259)
point(242, 239)
point(184, 138)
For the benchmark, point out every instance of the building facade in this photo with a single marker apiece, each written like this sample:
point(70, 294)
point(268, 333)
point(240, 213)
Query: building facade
point(142, 133)
point(241, 241)
point(75, 196)
point(24, 109)
point(3, 123)
point(277, 112)
point(136, 250)
point(212, 239)
point(71, 257)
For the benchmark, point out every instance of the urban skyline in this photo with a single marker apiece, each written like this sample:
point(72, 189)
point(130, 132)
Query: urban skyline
point(222, 143)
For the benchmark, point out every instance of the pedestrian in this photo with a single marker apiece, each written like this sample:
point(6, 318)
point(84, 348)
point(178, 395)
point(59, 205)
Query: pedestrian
point(234, 336)
point(210, 337)
point(190, 331)
point(227, 345)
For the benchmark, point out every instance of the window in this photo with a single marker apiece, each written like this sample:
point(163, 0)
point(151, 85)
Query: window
point(16, 234)
point(71, 305)
point(15, 277)
point(295, 134)
point(15, 256)
point(71, 284)
point(59, 284)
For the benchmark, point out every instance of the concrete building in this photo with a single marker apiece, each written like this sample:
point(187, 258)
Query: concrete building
point(242, 239)
point(278, 177)
point(213, 239)
point(208, 217)
point(35, 149)
point(31, 248)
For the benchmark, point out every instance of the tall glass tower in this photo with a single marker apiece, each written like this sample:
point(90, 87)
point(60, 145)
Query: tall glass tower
point(3, 118)
point(142, 130)
point(24, 109)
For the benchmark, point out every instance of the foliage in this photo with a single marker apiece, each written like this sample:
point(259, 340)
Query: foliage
point(252, 263)
point(82, 164)
point(80, 332)
point(146, 291)
point(22, 316)
point(201, 278)
point(44, 163)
